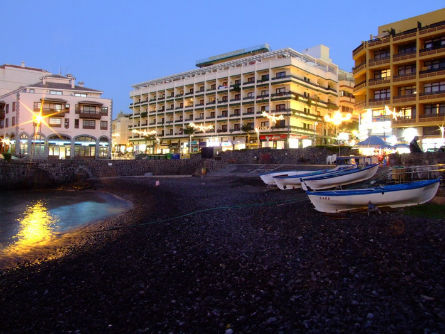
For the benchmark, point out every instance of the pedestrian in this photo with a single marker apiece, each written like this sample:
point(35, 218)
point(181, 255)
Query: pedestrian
point(414, 146)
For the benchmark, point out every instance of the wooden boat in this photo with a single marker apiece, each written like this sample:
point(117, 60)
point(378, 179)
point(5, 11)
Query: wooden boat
point(285, 182)
point(268, 178)
point(339, 178)
point(393, 196)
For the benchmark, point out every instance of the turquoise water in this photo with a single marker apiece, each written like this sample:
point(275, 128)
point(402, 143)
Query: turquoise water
point(35, 218)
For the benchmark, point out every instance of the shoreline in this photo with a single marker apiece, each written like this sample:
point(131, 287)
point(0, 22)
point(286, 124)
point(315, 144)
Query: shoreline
point(251, 269)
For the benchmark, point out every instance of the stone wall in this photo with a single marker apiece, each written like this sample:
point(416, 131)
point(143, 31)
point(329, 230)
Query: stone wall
point(309, 155)
point(415, 159)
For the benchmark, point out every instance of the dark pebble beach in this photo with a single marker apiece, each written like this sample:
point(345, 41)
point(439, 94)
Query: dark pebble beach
point(264, 261)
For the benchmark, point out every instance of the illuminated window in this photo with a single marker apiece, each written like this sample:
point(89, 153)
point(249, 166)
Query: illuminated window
point(55, 92)
point(57, 121)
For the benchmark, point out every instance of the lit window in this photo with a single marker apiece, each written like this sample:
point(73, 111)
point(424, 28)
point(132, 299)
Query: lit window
point(55, 92)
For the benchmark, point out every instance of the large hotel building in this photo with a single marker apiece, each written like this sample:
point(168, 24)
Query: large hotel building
point(400, 80)
point(233, 99)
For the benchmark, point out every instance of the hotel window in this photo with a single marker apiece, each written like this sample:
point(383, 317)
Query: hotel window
point(305, 94)
point(80, 94)
point(434, 109)
point(406, 69)
point(407, 91)
point(407, 48)
point(238, 82)
point(435, 64)
point(103, 125)
point(237, 96)
point(250, 110)
point(382, 74)
point(76, 123)
point(434, 87)
point(224, 113)
point(236, 112)
point(250, 94)
point(89, 124)
point(236, 127)
point(13, 121)
point(436, 43)
point(281, 90)
point(281, 107)
point(7, 108)
point(382, 94)
point(104, 110)
point(212, 114)
point(224, 127)
point(265, 77)
point(224, 98)
point(251, 79)
point(264, 108)
point(55, 92)
point(55, 121)
point(264, 93)
point(265, 124)
point(407, 112)
point(381, 54)
point(14, 105)
point(307, 79)
point(67, 123)
point(213, 87)
point(31, 90)
point(7, 123)
point(280, 124)
point(88, 109)
point(281, 74)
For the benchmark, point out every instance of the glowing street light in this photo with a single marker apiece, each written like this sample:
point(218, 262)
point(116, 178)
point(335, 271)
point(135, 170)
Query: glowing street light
point(337, 118)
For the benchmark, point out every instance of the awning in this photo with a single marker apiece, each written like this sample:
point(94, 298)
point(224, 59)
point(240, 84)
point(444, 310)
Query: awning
point(91, 103)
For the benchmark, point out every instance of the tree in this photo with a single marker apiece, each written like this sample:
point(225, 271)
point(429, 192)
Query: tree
point(188, 130)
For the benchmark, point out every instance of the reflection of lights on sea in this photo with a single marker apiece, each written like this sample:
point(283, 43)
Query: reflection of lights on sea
point(35, 229)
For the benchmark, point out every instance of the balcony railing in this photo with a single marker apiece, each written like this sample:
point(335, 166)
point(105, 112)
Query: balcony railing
point(235, 115)
point(404, 55)
point(431, 72)
point(431, 51)
point(89, 115)
point(403, 77)
point(380, 61)
point(359, 67)
point(401, 120)
point(434, 118)
point(404, 98)
point(379, 81)
point(433, 95)
point(360, 85)
point(281, 77)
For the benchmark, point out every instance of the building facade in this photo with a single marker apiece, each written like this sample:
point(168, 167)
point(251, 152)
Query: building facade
point(55, 118)
point(400, 80)
point(120, 134)
point(14, 76)
point(246, 98)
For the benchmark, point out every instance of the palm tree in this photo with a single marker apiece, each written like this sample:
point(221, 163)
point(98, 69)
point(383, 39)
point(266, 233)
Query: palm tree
point(188, 130)
point(247, 129)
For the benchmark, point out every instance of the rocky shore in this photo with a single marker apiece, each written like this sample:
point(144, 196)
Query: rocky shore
point(263, 262)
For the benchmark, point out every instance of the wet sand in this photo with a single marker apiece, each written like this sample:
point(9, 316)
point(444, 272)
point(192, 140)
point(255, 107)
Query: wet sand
point(271, 268)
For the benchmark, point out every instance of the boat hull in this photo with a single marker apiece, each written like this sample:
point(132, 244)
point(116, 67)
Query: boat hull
point(268, 179)
point(333, 202)
point(318, 183)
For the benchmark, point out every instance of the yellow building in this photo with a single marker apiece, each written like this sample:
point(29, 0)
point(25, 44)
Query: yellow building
point(236, 97)
point(400, 80)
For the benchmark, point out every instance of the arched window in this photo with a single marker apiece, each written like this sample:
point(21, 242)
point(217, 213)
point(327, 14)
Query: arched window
point(59, 146)
point(85, 146)
point(103, 147)
point(24, 144)
point(37, 145)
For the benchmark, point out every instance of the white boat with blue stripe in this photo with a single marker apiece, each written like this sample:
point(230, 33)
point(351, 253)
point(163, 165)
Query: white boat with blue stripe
point(393, 196)
point(286, 182)
point(339, 178)
point(268, 178)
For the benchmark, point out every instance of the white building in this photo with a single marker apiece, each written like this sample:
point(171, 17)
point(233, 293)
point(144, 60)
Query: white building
point(55, 118)
point(13, 76)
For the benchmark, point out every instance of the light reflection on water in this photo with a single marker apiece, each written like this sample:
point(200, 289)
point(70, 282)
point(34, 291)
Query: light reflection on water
point(35, 229)
point(31, 220)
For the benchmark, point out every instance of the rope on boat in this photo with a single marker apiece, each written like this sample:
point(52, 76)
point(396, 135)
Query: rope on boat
point(240, 206)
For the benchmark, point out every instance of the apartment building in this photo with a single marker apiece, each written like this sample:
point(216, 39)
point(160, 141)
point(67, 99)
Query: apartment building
point(400, 80)
point(55, 118)
point(120, 133)
point(15, 76)
point(247, 98)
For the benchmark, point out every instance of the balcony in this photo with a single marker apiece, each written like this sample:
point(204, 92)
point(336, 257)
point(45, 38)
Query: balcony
point(2, 114)
point(431, 72)
point(403, 120)
point(380, 61)
point(410, 76)
point(89, 115)
point(235, 115)
point(89, 127)
point(248, 113)
point(358, 68)
point(248, 97)
point(189, 119)
point(223, 101)
point(432, 28)
point(379, 81)
point(199, 105)
point(281, 94)
point(211, 102)
point(263, 96)
point(199, 118)
point(378, 102)
point(404, 56)
point(404, 98)
point(236, 99)
point(282, 77)
point(440, 118)
point(430, 96)
point(431, 51)
point(358, 49)
point(378, 41)
point(221, 130)
point(405, 34)
point(360, 85)
point(222, 116)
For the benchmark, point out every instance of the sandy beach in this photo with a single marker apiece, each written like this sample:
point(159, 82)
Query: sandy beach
point(227, 255)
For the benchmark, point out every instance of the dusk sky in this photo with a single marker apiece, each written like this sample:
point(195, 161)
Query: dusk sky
point(111, 45)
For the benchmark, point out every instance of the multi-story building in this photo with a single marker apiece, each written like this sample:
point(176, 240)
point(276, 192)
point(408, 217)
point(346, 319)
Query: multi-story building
point(14, 76)
point(346, 98)
point(55, 118)
point(120, 134)
point(234, 94)
point(400, 80)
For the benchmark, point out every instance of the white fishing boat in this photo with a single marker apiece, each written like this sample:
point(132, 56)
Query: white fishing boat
point(268, 178)
point(286, 182)
point(393, 196)
point(338, 178)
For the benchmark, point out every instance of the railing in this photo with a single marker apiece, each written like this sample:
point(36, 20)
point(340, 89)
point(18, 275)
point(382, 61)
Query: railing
point(360, 85)
point(89, 115)
point(430, 51)
point(400, 120)
point(404, 55)
point(433, 95)
point(282, 77)
point(432, 118)
point(235, 115)
point(380, 61)
point(379, 81)
point(436, 71)
point(404, 98)
point(358, 49)
point(410, 76)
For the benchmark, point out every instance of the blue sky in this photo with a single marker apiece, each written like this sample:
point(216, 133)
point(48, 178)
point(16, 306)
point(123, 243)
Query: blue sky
point(111, 45)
